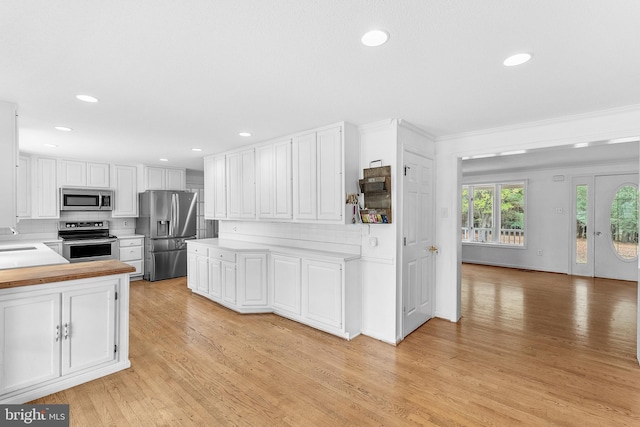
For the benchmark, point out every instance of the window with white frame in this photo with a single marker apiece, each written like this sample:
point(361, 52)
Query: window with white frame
point(494, 213)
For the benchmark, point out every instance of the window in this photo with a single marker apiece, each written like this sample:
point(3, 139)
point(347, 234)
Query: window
point(494, 213)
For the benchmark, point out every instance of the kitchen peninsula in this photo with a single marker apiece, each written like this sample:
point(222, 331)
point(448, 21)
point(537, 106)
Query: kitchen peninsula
point(61, 325)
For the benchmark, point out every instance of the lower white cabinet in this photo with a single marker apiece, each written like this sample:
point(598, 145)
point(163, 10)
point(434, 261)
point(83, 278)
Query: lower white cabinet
point(285, 284)
point(58, 335)
point(318, 289)
point(131, 251)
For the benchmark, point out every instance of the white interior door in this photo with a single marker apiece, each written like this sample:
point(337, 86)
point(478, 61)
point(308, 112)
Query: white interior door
point(418, 266)
point(616, 227)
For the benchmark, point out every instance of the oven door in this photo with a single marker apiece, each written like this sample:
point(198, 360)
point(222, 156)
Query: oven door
point(89, 250)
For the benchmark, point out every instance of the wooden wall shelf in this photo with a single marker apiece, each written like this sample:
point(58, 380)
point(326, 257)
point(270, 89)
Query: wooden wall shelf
point(376, 188)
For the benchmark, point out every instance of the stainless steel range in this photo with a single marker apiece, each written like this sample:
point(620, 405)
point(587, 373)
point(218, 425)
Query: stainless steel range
point(87, 241)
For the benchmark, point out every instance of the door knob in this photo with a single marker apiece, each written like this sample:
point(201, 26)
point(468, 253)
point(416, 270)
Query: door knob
point(434, 250)
point(597, 233)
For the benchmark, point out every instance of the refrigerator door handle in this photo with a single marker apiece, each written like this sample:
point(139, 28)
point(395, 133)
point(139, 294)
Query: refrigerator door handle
point(174, 214)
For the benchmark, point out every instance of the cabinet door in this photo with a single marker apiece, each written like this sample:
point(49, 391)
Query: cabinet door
point(88, 326)
point(72, 173)
point(215, 278)
point(265, 185)
point(24, 187)
point(45, 189)
point(252, 280)
point(234, 185)
point(29, 341)
point(322, 292)
point(176, 179)
point(220, 185)
point(282, 180)
point(285, 283)
point(192, 271)
point(331, 199)
point(154, 178)
point(98, 175)
point(209, 188)
point(229, 282)
point(8, 163)
point(248, 184)
point(202, 274)
point(125, 182)
point(304, 177)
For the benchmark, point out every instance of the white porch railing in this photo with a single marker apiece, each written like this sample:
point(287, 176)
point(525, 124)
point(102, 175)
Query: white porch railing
point(508, 236)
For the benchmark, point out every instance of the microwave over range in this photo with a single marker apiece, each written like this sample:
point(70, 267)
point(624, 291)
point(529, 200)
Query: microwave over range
point(85, 199)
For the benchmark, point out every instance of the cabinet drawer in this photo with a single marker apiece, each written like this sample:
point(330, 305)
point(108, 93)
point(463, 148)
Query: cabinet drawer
point(222, 254)
point(195, 249)
point(131, 254)
point(130, 242)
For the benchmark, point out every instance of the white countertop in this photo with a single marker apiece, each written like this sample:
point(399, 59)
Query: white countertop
point(243, 246)
point(17, 255)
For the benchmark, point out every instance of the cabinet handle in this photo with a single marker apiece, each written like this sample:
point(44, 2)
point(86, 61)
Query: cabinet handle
point(66, 331)
point(57, 333)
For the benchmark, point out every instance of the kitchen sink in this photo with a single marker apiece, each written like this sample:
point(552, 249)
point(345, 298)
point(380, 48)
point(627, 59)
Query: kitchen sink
point(23, 248)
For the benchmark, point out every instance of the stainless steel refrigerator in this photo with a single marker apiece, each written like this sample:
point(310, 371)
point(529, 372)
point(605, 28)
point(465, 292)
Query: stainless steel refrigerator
point(167, 219)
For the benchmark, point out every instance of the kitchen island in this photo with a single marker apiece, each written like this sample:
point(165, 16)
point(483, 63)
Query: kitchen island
point(62, 325)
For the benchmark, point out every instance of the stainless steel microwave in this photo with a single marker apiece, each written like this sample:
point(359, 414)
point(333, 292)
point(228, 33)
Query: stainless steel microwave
point(85, 199)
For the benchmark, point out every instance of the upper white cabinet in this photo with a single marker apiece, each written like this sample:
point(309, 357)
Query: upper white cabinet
point(215, 188)
point(324, 171)
point(44, 188)
point(273, 180)
point(74, 173)
point(8, 164)
point(161, 178)
point(124, 183)
point(303, 178)
point(241, 184)
point(24, 186)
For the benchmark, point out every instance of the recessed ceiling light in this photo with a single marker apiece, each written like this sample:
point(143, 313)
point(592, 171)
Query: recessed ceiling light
point(375, 38)
point(511, 153)
point(483, 156)
point(245, 134)
point(581, 145)
point(64, 128)
point(517, 59)
point(51, 145)
point(164, 160)
point(621, 140)
point(87, 98)
point(196, 149)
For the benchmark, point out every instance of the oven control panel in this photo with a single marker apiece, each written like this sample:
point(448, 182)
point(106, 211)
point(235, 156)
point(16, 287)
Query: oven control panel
point(83, 225)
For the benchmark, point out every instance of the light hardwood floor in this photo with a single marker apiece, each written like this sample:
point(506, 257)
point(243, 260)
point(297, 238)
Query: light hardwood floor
point(531, 349)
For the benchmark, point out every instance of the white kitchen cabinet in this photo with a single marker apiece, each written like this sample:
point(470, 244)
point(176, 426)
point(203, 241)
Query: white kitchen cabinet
point(58, 335)
point(285, 281)
point(197, 268)
point(318, 176)
point(8, 165)
point(26, 362)
point(241, 190)
point(229, 286)
point(322, 292)
point(88, 327)
point(44, 202)
point(252, 280)
point(202, 267)
point(131, 251)
point(209, 187)
point(24, 186)
point(125, 184)
point(273, 180)
point(215, 278)
point(162, 178)
point(220, 186)
point(74, 173)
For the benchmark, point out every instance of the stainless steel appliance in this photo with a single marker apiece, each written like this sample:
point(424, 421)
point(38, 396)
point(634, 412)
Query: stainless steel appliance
point(167, 219)
point(87, 241)
point(85, 199)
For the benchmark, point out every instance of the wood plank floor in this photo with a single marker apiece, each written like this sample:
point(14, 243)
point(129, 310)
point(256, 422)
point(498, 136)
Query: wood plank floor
point(531, 349)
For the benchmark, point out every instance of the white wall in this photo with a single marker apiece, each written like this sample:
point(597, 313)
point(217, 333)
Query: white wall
point(546, 229)
point(596, 126)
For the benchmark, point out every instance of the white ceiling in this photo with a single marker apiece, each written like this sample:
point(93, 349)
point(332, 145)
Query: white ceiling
point(172, 75)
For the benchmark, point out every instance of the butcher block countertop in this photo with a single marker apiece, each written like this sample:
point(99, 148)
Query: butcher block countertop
point(58, 273)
